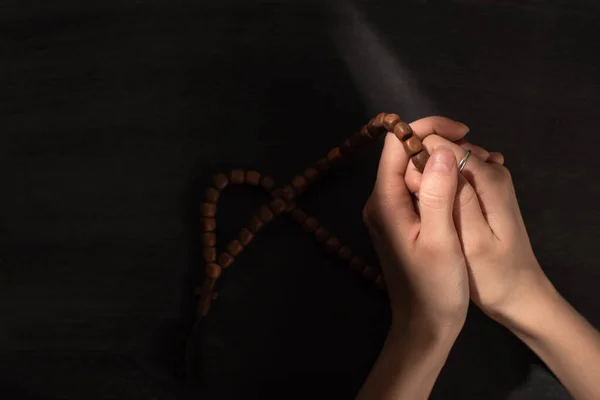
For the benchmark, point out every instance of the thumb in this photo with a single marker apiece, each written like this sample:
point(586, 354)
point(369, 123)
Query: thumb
point(437, 192)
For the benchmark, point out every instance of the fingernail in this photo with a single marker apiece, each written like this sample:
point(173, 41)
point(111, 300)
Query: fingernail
point(466, 128)
point(443, 159)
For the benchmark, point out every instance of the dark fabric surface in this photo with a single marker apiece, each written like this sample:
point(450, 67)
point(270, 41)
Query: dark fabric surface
point(114, 115)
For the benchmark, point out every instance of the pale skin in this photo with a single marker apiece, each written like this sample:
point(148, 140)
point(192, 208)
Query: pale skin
point(445, 237)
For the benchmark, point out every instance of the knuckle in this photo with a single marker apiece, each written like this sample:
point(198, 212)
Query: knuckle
point(432, 200)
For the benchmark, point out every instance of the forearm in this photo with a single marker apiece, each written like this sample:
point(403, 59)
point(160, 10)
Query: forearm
point(562, 338)
point(409, 363)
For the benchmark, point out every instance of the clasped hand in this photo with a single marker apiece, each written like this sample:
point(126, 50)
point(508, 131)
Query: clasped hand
point(443, 236)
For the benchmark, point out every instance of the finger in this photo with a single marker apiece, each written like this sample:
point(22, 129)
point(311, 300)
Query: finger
point(496, 158)
point(436, 195)
point(441, 126)
point(478, 151)
point(390, 191)
point(482, 180)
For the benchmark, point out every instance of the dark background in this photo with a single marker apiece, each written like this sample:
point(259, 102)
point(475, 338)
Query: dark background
point(114, 114)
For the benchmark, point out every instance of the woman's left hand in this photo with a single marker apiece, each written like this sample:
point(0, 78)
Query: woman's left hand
point(419, 249)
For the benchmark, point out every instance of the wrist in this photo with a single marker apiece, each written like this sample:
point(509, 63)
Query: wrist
point(528, 310)
point(425, 331)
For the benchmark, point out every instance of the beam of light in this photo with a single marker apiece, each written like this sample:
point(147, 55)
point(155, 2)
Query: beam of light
point(385, 84)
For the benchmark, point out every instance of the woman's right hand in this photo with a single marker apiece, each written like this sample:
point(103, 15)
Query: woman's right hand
point(504, 272)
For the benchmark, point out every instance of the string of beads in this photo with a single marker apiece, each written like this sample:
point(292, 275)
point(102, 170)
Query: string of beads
point(283, 202)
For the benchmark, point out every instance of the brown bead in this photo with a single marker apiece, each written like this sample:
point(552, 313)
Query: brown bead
point(378, 120)
point(369, 273)
point(322, 234)
point(359, 140)
point(289, 193)
point(208, 224)
point(299, 216)
point(323, 164)
point(255, 224)
point(311, 174)
point(375, 131)
point(364, 132)
point(299, 183)
point(208, 209)
point(310, 225)
point(334, 156)
point(413, 145)
point(332, 245)
point(225, 259)
point(267, 183)
point(209, 254)
point(345, 253)
point(347, 148)
point(253, 178)
point(238, 176)
point(245, 236)
point(234, 247)
point(277, 205)
point(420, 160)
point(209, 239)
point(212, 195)
point(402, 131)
point(390, 121)
point(265, 214)
point(291, 206)
point(213, 270)
point(357, 263)
point(221, 181)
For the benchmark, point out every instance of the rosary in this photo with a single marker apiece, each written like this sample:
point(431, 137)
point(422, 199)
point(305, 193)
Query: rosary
point(283, 202)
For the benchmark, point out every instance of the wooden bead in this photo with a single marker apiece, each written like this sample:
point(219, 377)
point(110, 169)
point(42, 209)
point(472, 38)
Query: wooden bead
point(212, 195)
point(238, 176)
point(289, 193)
point(267, 183)
point(369, 273)
point(345, 253)
point(255, 224)
point(389, 121)
point(413, 145)
point(213, 270)
point(347, 148)
point(378, 120)
point(420, 160)
point(245, 236)
point(208, 209)
point(277, 206)
point(402, 131)
point(234, 248)
point(253, 178)
point(357, 264)
point(225, 259)
point(221, 181)
point(265, 214)
point(310, 225)
point(322, 234)
point(291, 206)
point(311, 174)
point(208, 224)
point(209, 239)
point(299, 216)
point(323, 165)
point(332, 245)
point(334, 156)
point(364, 132)
point(299, 183)
point(375, 131)
point(359, 140)
point(209, 254)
